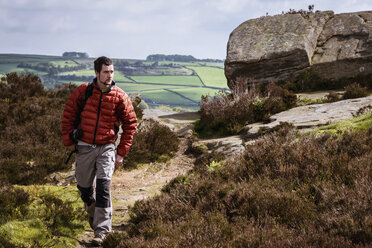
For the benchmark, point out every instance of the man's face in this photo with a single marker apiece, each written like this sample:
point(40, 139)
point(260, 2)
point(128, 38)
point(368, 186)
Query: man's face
point(105, 77)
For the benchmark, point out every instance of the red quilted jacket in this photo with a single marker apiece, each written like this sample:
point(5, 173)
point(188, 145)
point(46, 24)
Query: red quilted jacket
point(101, 117)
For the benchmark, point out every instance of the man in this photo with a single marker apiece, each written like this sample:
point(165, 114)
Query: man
point(93, 134)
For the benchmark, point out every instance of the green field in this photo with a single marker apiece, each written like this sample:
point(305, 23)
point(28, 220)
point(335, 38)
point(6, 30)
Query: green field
point(195, 93)
point(180, 80)
point(211, 76)
point(138, 88)
point(163, 97)
point(6, 68)
point(63, 63)
point(213, 64)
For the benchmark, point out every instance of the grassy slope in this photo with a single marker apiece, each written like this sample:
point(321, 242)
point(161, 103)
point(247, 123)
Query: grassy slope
point(362, 122)
point(195, 93)
point(164, 97)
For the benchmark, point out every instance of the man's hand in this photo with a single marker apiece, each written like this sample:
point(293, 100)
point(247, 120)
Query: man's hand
point(118, 160)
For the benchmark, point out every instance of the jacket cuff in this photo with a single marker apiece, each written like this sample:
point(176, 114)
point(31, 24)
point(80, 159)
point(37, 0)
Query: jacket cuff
point(122, 152)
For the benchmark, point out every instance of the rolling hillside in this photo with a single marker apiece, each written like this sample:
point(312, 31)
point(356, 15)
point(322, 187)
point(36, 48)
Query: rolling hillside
point(174, 84)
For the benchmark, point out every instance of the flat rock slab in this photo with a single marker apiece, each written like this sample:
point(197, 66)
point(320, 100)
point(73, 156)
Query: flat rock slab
point(315, 115)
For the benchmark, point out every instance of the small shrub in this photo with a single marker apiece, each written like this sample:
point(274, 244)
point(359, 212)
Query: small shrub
point(136, 101)
point(214, 165)
point(303, 13)
point(332, 97)
point(363, 110)
point(13, 203)
point(226, 114)
point(151, 142)
point(354, 90)
point(59, 216)
point(281, 130)
point(196, 148)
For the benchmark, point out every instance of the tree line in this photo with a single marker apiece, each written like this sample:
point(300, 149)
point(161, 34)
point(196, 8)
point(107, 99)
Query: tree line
point(75, 55)
point(178, 58)
point(50, 68)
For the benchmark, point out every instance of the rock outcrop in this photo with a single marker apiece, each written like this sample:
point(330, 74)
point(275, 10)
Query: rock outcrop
point(279, 47)
point(315, 115)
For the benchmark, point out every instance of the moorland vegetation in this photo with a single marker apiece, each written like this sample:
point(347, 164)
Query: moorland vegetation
point(286, 190)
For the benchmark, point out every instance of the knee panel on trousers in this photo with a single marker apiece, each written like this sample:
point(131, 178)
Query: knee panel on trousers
point(86, 194)
point(103, 193)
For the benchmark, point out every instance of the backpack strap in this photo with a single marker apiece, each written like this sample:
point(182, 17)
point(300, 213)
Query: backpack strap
point(88, 93)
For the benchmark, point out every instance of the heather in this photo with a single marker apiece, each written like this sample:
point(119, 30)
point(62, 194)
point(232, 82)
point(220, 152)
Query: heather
point(152, 142)
point(308, 81)
point(228, 113)
point(286, 190)
point(30, 129)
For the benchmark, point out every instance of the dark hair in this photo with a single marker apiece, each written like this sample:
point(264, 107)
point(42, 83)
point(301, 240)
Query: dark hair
point(100, 61)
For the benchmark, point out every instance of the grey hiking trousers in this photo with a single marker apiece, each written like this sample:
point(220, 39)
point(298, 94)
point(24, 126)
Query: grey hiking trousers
point(95, 165)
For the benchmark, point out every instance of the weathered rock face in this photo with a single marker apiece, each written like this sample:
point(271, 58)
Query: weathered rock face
point(279, 47)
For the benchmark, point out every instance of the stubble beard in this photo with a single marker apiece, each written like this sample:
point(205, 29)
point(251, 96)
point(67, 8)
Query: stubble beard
point(106, 84)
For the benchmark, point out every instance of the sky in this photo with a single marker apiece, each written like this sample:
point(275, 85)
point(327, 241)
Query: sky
point(134, 29)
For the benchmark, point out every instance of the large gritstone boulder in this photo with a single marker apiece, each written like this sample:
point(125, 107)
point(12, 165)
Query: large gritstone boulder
point(274, 48)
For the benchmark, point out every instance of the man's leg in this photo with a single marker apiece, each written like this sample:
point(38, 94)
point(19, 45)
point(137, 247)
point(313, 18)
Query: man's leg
point(105, 165)
point(85, 173)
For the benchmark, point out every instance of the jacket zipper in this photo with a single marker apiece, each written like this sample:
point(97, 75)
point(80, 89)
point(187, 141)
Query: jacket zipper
point(99, 111)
